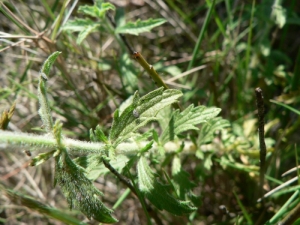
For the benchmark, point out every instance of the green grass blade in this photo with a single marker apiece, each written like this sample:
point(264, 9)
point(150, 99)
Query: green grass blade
point(201, 35)
point(32, 204)
point(286, 106)
point(245, 213)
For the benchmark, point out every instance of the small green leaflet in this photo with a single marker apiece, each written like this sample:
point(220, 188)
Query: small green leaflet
point(78, 25)
point(45, 111)
point(87, 26)
point(83, 26)
point(208, 129)
point(187, 120)
point(126, 67)
point(85, 32)
point(157, 193)
point(49, 62)
point(98, 10)
point(97, 135)
point(139, 26)
point(42, 157)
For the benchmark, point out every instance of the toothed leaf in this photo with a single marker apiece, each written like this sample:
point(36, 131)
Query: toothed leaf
point(80, 191)
point(140, 112)
point(98, 10)
point(207, 131)
point(187, 120)
point(158, 194)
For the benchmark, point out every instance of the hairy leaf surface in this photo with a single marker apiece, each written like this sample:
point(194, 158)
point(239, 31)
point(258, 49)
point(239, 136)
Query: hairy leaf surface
point(158, 194)
point(142, 111)
point(187, 120)
point(44, 110)
point(80, 191)
point(208, 129)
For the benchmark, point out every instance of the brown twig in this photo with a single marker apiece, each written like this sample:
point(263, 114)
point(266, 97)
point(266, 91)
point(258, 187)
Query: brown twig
point(123, 179)
point(38, 34)
point(261, 133)
point(127, 183)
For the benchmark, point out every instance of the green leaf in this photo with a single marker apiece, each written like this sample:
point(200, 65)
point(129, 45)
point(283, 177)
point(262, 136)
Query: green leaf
point(187, 119)
point(80, 191)
point(85, 32)
point(181, 179)
point(172, 70)
point(207, 131)
point(142, 111)
point(139, 26)
point(157, 193)
point(208, 162)
point(147, 147)
point(145, 136)
point(44, 111)
point(42, 157)
point(83, 26)
point(87, 26)
point(49, 62)
point(199, 154)
point(78, 25)
point(94, 167)
point(155, 136)
point(6, 116)
point(128, 71)
point(98, 10)
point(98, 135)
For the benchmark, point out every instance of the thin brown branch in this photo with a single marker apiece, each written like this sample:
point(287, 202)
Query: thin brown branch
point(261, 133)
point(122, 178)
point(127, 183)
point(12, 45)
point(38, 34)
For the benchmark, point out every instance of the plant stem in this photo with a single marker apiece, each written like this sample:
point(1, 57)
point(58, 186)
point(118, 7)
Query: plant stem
point(261, 132)
point(47, 142)
point(141, 60)
point(122, 178)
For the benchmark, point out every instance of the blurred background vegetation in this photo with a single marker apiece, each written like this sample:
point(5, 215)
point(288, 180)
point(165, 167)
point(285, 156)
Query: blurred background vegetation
point(246, 44)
